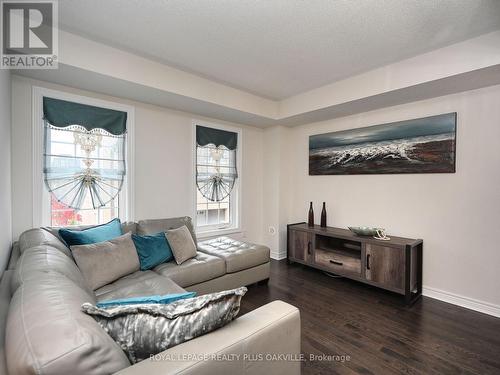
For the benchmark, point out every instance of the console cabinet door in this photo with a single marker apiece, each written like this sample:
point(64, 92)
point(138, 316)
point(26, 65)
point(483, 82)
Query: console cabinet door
point(301, 245)
point(385, 266)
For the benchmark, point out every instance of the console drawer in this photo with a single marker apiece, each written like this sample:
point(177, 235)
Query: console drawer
point(337, 262)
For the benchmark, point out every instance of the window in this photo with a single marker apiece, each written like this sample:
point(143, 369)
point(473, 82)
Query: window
point(212, 213)
point(82, 164)
point(63, 144)
point(217, 181)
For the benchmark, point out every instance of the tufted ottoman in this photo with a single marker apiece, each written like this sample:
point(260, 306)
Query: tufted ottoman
point(238, 255)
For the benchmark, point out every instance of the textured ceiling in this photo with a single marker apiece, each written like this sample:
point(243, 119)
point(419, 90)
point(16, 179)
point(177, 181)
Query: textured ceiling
point(279, 48)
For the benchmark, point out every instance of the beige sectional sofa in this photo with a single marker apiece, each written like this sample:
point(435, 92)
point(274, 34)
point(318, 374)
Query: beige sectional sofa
point(46, 332)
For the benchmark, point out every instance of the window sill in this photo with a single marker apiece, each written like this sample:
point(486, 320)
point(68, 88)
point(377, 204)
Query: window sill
point(203, 235)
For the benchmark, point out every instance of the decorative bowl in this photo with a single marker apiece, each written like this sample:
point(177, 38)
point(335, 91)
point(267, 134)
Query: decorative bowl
point(364, 231)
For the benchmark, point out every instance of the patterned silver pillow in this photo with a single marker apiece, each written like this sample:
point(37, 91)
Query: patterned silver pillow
point(142, 330)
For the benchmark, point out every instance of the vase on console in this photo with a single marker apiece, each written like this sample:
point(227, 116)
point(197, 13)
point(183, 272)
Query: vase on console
point(310, 220)
point(323, 216)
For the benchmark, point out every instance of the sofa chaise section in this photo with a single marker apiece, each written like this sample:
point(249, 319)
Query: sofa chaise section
point(237, 255)
point(193, 271)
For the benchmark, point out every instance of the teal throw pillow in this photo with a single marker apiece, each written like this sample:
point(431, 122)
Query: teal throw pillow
point(153, 249)
point(149, 299)
point(99, 233)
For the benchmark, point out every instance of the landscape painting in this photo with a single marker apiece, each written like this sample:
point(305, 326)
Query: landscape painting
point(424, 145)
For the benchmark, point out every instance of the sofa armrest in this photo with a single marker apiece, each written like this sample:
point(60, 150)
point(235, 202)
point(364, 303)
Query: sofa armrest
point(264, 341)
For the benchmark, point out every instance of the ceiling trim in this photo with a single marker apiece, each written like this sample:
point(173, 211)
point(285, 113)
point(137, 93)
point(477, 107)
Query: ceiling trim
point(96, 67)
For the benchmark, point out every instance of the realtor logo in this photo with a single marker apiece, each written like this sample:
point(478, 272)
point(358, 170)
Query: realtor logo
point(29, 34)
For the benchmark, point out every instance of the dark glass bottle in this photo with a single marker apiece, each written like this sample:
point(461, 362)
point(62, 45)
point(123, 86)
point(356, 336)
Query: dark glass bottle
point(310, 220)
point(323, 216)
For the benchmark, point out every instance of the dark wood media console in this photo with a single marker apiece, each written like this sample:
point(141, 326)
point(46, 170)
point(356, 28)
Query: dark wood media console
point(394, 265)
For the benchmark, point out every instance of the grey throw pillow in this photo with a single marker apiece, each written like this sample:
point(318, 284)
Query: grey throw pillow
point(182, 244)
point(143, 330)
point(104, 262)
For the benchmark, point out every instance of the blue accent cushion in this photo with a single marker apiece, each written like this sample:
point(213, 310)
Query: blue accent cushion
point(153, 249)
point(99, 233)
point(167, 298)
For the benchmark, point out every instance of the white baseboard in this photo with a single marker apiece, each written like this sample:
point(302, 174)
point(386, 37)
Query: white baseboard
point(278, 256)
point(468, 303)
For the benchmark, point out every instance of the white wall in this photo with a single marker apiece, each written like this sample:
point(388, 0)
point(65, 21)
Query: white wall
point(163, 161)
point(456, 215)
point(5, 189)
point(277, 180)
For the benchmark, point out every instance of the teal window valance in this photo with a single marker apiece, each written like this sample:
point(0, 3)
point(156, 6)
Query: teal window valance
point(62, 113)
point(217, 137)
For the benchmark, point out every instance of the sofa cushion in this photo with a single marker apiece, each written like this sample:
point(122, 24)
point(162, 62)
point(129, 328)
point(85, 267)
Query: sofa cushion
point(47, 333)
point(140, 283)
point(162, 225)
point(237, 255)
point(181, 243)
point(37, 237)
point(95, 234)
point(105, 262)
point(46, 259)
point(193, 271)
point(129, 226)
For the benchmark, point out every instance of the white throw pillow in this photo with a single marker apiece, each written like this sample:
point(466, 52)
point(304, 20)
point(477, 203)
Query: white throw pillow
point(182, 244)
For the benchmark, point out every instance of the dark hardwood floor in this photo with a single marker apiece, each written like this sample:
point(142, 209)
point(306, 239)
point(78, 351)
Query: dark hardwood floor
point(379, 334)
